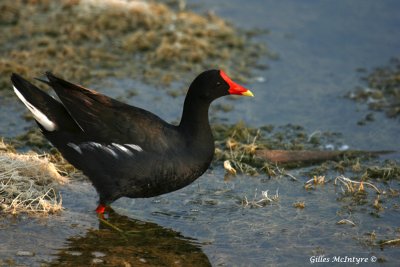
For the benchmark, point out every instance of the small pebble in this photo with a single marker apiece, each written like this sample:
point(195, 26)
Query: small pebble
point(24, 253)
point(259, 79)
point(98, 254)
point(329, 147)
point(97, 261)
point(74, 253)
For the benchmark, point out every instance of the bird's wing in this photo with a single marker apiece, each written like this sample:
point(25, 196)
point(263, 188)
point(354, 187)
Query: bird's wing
point(106, 120)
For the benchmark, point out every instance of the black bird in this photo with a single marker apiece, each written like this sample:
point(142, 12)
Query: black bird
point(127, 151)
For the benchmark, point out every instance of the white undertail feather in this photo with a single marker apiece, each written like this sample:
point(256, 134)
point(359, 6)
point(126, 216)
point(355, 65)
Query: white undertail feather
point(37, 114)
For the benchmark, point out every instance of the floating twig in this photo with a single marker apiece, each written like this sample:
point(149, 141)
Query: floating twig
point(390, 242)
point(346, 221)
point(264, 200)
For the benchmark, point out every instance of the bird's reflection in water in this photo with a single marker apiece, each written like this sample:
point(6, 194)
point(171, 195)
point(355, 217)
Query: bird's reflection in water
point(127, 242)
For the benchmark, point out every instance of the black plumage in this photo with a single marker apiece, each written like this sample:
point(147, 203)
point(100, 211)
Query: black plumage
point(126, 150)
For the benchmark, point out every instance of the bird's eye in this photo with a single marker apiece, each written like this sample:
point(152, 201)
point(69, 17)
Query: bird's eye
point(219, 83)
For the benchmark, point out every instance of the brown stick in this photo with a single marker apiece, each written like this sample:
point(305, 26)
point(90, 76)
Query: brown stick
point(310, 156)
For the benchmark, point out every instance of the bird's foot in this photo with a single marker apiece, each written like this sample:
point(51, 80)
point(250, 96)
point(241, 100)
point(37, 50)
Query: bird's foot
point(101, 209)
point(103, 215)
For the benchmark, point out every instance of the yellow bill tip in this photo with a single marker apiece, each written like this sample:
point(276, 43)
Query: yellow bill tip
point(248, 93)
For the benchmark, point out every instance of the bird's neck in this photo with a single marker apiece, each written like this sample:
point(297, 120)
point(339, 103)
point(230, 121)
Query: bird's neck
point(194, 120)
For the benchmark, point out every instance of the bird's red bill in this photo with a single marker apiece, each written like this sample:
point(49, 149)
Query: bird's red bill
point(234, 88)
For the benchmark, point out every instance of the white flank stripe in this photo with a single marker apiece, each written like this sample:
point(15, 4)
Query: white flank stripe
point(109, 150)
point(134, 147)
point(95, 144)
point(123, 149)
point(37, 114)
point(105, 148)
point(114, 149)
point(75, 147)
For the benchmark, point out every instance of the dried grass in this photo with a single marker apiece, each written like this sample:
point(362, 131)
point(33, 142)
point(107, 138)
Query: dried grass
point(299, 204)
point(352, 186)
point(346, 221)
point(258, 202)
point(240, 157)
point(28, 183)
point(316, 180)
point(89, 39)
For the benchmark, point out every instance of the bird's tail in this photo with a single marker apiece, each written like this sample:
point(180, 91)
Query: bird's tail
point(49, 113)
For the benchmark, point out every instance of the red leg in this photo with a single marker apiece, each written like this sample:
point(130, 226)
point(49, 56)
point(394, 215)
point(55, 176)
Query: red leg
point(101, 209)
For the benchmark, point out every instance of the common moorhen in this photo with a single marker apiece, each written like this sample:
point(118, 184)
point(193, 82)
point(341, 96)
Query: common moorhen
point(127, 151)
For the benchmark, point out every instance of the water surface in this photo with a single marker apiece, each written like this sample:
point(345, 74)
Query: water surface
point(320, 47)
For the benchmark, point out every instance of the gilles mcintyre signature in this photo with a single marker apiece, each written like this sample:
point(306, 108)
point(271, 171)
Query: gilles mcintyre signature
point(342, 259)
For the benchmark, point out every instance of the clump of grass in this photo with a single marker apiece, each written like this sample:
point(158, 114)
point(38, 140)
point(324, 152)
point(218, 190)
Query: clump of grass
point(237, 150)
point(390, 170)
point(299, 204)
point(35, 141)
point(377, 204)
point(86, 40)
point(258, 202)
point(316, 180)
point(364, 166)
point(28, 183)
point(382, 92)
point(242, 154)
point(361, 191)
point(352, 187)
point(237, 146)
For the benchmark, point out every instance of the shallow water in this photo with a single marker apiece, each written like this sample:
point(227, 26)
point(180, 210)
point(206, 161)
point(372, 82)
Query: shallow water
point(320, 46)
